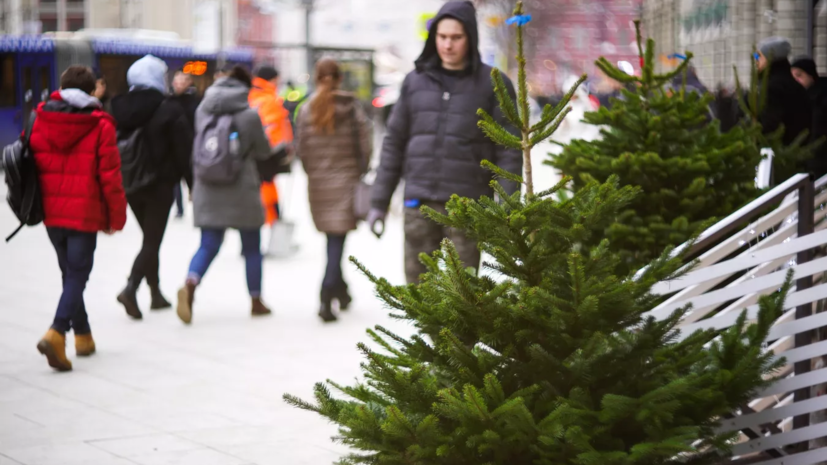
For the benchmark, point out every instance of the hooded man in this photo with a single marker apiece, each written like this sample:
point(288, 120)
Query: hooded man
point(433, 141)
point(805, 72)
point(158, 132)
point(787, 102)
point(79, 171)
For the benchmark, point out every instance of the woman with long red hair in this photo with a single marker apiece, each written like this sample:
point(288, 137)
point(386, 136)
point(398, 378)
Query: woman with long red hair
point(335, 145)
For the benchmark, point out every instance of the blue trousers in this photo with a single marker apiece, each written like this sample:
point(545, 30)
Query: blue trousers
point(75, 256)
point(333, 277)
point(211, 240)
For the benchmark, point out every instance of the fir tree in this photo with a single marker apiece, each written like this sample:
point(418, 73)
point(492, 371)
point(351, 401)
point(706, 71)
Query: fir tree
point(663, 140)
point(553, 364)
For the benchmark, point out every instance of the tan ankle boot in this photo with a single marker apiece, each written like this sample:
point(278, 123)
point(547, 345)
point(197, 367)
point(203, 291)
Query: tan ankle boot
point(53, 346)
point(259, 309)
point(84, 345)
point(186, 296)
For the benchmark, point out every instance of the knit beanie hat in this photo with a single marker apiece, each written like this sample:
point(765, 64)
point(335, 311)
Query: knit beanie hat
point(267, 73)
point(807, 65)
point(775, 48)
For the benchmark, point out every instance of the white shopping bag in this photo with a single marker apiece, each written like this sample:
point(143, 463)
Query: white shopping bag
point(282, 243)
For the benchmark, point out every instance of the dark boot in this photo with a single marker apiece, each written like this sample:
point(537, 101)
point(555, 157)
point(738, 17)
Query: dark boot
point(343, 296)
point(326, 310)
point(159, 302)
point(259, 309)
point(129, 300)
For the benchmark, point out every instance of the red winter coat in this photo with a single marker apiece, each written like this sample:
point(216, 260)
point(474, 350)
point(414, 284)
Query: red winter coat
point(79, 167)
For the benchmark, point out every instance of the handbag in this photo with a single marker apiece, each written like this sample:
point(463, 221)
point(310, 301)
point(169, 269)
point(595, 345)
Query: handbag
point(363, 189)
point(279, 163)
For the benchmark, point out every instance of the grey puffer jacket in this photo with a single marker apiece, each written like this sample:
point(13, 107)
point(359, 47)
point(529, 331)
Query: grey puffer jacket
point(237, 205)
point(433, 140)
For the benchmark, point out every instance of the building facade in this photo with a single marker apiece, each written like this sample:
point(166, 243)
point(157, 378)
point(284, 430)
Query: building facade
point(722, 33)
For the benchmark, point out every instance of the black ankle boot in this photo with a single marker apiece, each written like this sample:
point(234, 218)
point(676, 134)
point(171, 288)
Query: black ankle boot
point(326, 310)
point(129, 300)
point(159, 302)
point(343, 296)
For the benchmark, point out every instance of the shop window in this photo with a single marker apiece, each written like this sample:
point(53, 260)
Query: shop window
point(8, 96)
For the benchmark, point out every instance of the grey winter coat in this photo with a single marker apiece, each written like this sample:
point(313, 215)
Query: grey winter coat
point(334, 162)
point(433, 140)
point(238, 205)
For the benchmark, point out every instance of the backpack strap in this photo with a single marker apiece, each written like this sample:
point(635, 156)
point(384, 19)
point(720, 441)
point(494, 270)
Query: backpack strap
point(27, 133)
point(11, 236)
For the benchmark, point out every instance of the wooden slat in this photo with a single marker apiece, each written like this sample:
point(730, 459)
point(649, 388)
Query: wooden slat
point(779, 440)
point(749, 260)
point(751, 286)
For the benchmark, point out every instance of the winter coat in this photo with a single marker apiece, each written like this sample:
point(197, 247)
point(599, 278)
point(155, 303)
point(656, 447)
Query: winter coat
point(818, 99)
point(236, 205)
point(189, 102)
point(433, 140)
point(333, 162)
point(787, 103)
point(168, 134)
point(264, 98)
point(78, 164)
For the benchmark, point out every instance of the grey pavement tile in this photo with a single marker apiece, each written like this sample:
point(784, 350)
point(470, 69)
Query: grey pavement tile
point(217, 383)
point(287, 453)
point(145, 445)
point(8, 461)
point(203, 456)
point(60, 454)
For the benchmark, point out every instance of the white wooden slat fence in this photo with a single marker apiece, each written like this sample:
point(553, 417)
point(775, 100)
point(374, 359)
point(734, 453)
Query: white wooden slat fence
point(740, 258)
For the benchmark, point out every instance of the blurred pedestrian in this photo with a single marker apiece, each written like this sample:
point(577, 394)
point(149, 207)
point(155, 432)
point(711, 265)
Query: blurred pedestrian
point(787, 102)
point(101, 91)
point(186, 95)
point(433, 140)
point(79, 170)
point(805, 72)
point(335, 144)
point(265, 99)
point(235, 201)
point(155, 136)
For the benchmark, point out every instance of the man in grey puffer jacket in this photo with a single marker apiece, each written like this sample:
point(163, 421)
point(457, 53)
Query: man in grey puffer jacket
point(433, 140)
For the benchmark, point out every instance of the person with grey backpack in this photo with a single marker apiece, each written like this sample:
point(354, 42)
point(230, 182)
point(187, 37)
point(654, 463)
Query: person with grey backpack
point(229, 139)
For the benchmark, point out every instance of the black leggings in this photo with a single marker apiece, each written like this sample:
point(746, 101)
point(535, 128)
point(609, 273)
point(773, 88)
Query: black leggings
point(151, 208)
point(333, 277)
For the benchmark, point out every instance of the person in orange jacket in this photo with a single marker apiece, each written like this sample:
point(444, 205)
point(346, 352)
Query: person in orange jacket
point(276, 120)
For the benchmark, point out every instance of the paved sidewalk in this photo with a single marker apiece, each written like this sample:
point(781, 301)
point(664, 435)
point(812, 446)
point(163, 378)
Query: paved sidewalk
point(161, 393)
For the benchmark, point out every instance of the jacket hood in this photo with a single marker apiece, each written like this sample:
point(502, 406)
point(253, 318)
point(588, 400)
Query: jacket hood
point(781, 67)
point(62, 125)
point(79, 99)
point(134, 109)
point(264, 86)
point(227, 95)
point(464, 12)
point(148, 73)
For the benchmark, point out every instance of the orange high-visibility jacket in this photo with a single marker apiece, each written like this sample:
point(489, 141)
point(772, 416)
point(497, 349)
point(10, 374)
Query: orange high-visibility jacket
point(275, 118)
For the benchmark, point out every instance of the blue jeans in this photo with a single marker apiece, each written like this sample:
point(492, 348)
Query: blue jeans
point(75, 256)
point(211, 240)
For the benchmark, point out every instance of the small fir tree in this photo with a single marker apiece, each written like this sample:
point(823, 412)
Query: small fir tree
point(663, 140)
point(554, 364)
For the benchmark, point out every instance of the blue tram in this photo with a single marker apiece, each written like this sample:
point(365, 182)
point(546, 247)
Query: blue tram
point(30, 68)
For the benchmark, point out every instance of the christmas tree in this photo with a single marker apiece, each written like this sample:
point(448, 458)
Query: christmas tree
point(664, 140)
point(554, 363)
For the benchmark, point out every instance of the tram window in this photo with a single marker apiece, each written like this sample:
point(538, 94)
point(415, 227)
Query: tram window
point(27, 85)
point(45, 91)
point(8, 96)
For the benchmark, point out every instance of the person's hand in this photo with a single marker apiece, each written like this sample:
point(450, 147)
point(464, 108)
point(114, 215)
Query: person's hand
point(376, 221)
point(189, 196)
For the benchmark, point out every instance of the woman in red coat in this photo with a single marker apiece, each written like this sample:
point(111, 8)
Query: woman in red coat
point(79, 168)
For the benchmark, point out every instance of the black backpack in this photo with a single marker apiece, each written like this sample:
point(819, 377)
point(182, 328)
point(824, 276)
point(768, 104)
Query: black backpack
point(21, 179)
point(136, 162)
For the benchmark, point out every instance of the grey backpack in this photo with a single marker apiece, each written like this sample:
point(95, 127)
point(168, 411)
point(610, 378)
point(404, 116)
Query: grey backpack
point(216, 156)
